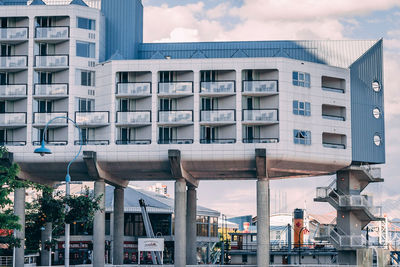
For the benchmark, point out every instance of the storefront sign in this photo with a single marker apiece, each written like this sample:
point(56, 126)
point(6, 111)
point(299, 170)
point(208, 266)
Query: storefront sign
point(151, 244)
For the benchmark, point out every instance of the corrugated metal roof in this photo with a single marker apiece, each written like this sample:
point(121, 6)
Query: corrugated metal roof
point(340, 53)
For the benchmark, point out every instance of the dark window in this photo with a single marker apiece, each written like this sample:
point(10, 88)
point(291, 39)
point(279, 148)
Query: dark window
point(84, 23)
point(302, 137)
point(244, 258)
point(85, 49)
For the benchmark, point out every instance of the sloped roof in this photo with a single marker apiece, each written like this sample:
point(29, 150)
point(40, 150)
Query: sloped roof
point(327, 218)
point(156, 203)
point(37, 2)
point(341, 53)
point(78, 2)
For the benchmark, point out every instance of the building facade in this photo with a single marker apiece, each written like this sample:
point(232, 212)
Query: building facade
point(180, 111)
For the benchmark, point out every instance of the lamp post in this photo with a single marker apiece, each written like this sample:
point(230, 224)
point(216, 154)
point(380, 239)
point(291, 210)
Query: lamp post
point(301, 230)
point(43, 150)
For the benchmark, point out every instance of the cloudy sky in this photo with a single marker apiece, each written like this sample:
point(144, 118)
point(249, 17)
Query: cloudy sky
point(250, 20)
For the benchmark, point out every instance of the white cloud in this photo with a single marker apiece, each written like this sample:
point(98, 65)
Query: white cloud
point(392, 84)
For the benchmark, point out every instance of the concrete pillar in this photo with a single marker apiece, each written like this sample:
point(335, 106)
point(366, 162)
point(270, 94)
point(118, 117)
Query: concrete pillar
point(191, 227)
point(45, 259)
point(118, 231)
point(19, 210)
point(180, 223)
point(99, 227)
point(263, 222)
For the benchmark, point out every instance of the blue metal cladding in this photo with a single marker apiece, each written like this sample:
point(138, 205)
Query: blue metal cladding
point(123, 27)
point(15, 2)
point(367, 69)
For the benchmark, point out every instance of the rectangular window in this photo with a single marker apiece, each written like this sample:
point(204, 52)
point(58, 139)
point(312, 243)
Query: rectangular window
point(85, 77)
point(85, 49)
point(84, 23)
point(86, 105)
point(301, 108)
point(301, 79)
point(302, 137)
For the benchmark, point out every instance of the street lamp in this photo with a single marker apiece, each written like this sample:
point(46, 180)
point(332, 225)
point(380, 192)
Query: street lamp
point(301, 230)
point(43, 150)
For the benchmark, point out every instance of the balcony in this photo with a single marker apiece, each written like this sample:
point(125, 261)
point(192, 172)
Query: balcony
point(217, 117)
point(133, 90)
point(92, 118)
point(13, 91)
point(219, 88)
point(92, 142)
point(51, 62)
point(333, 117)
point(334, 145)
point(175, 117)
point(50, 91)
point(51, 143)
point(12, 119)
point(12, 143)
point(332, 89)
point(175, 89)
point(133, 118)
point(260, 116)
point(175, 141)
point(41, 119)
point(343, 241)
point(52, 34)
point(13, 63)
point(14, 35)
point(260, 140)
point(218, 141)
point(260, 88)
point(134, 142)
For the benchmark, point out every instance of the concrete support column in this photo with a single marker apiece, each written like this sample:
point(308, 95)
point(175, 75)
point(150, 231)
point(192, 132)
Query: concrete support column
point(19, 210)
point(45, 259)
point(99, 226)
point(118, 231)
point(263, 222)
point(191, 228)
point(180, 223)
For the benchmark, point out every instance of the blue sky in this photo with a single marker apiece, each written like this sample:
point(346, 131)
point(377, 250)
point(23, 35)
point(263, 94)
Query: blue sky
point(212, 20)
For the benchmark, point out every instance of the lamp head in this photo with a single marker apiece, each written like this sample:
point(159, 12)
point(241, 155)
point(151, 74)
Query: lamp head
point(42, 150)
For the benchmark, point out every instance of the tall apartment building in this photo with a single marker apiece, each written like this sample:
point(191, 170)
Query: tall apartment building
point(198, 111)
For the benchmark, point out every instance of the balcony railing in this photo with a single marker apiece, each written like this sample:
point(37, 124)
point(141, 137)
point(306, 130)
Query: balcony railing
point(219, 87)
point(175, 141)
point(13, 90)
point(260, 140)
point(13, 119)
point(353, 241)
point(355, 201)
point(134, 142)
point(218, 141)
point(51, 90)
point(52, 61)
point(42, 119)
point(93, 118)
point(56, 32)
point(176, 116)
point(51, 143)
point(228, 115)
point(92, 142)
point(334, 145)
point(133, 117)
point(14, 34)
point(133, 89)
point(175, 88)
point(333, 89)
point(260, 87)
point(260, 115)
point(13, 62)
point(12, 143)
point(333, 117)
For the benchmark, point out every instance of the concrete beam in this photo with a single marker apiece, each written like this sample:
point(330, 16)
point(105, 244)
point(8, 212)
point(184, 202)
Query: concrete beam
point(177, 171)
point(261, 163)
point(97, 173)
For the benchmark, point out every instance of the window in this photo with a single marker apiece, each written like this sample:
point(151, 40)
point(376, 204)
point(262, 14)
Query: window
point(377, 140)
point(244, 258)
point(84, 23)
point(85, 49)
point(85, 105)
point(302, 137)
point(376, 86)
point(202, 225)
point(301, 79)
point(85, 77)
point(301, 108)
point(377, 113)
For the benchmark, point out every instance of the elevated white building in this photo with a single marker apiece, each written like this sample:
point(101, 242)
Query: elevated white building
point(183, 111)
